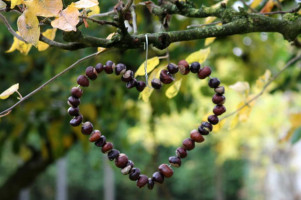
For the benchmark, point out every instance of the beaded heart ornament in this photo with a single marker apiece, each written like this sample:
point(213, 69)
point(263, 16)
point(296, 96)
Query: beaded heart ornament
point(166, 77)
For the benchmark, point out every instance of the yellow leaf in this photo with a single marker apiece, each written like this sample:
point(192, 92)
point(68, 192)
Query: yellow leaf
point(209, 20)
point(45, 8)
point(15, 3)
point(255, 3)
point(173, 90)
point(241, 87)
point(151, 64)
point(94, 10)
point(146, 93)
point(2, 5)
point(9, 91)
point(234, 122)
point(245, 112)
point(101, 49)
point(28, 26)
point(50, 34)
point(198, 56)
point(19, 45)
point(86, 3)
point(209, 40)
point(68, 19)
point(262, 80)
point(218, 126)
point(295, 119)
point(268, 6)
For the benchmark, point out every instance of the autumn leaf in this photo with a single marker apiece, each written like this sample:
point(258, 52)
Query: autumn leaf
point(255, 3)
point(241, 87)
point(19, 45)
point(262, 80)
point(68, 19)
point(173, 90)
point(28, 26)
point(268, 6)
point(45, 8)
point(15, 3)
point(94, 10)
point(209, 40)
point(86, 3)
point(151, 64)
point(9, 91)
point(146, 93)
point(2, 5)
point(101, 49)
point(50, 34)
point(198, 56)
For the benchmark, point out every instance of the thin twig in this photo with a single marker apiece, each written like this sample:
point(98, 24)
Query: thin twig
point(128, 6)
point(288, 64)
point(104, 14)
point(245, 4)
point(294, 10)
point(47, 82)
point(10, 29)
point(134, 17)
point(101, 22)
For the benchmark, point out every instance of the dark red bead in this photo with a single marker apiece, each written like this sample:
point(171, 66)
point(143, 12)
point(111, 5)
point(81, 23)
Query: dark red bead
point(131, 84)
point(172, 68)
point(95, 135)
point(73, 101)
point(150, 183)
point(175, 161)
point(205, 72)
point(188, 144)
point(76, 92)
point(156, 83)
point(220, 90)
point(76, 121)
point(109, 67)
point(196, 136)
point(83, 81)
point(219, 109)
point(213, 119)
point(87, 128)
point(184, 67)
point(127, 76)
point(120, 69)
point(158, 177)
point(181, 152)
point(113, 154)
point(107, 147)
point(207, 126)
point(121, 161)
point(195, 67)
point(203, 130)
point(142, 181)
point(214, 82)
point(218, 99)
point(73, 111)
point(102, 141)
point(165, 170)
point(127, 169)
point(91, 73)
point(134, 174)
point(166, 77)
point(99, 67)
point(140, 86)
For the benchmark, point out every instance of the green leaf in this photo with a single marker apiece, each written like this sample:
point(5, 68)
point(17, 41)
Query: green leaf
point(296, 136)
point(151, 64)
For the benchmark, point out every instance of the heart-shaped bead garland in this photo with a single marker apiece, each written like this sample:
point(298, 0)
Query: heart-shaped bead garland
point(166, 77)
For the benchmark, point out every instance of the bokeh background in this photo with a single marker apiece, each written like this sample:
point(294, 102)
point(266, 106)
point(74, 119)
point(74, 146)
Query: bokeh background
point(253, 154)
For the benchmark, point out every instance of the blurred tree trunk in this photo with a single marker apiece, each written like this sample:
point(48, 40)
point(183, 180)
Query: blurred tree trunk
point(61, 180)
point(109, 185)
point(219, 195)
point(24, 194)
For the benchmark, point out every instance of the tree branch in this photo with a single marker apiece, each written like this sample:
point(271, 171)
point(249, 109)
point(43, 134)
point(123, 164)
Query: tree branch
point(10, 29)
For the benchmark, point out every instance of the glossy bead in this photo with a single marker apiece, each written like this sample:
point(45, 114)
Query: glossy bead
point(158, 177)
point(73, 101)
point(183, 67)
point(214, 82)
point(102, 140)
point(156, 83)
point(203, 131)
point(76, 92)
point(196, 136)
point(195, 67)
point(219, 109)
point(150, 183)
point(188, 144)
point(121, 161)
point(127, 76)
point(220, 90)
point(99, 67)
point(107, 147)
point(142, 181)
point(113, 154)
point(73, 111)
point(83, 81)
point(95, 135)
point(134, 174)
point(131, 84)
point(172, 68)
point(175, 161)
point(109, 67)
point(127, 169)
point(205, 72)
point(120, 69)
point(218, 99)
point(140, 86)
point(207, 126)
point(165, 170)
point(91, 73)
point(76, 121)
point(166, 77)
point(213, 119)
point(87, 128)
point(181, 152)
